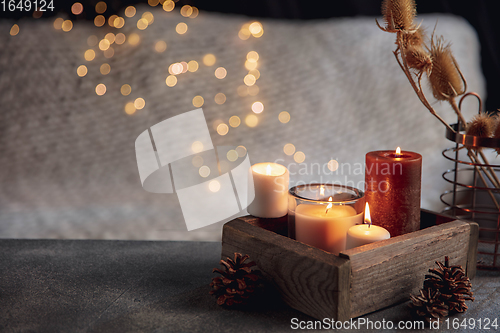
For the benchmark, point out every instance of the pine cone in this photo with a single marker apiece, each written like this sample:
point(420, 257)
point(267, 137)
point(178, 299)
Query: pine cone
point(452, 283)
point(428, 305)
point(237, 283)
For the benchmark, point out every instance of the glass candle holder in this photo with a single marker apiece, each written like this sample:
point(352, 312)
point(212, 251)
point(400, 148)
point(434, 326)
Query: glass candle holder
point(321, 214)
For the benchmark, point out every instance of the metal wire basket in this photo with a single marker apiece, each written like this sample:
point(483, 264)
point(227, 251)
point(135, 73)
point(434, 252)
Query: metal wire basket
point(475, 193)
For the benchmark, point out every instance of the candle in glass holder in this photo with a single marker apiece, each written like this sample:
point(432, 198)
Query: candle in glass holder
point(320, 215)
point(365, 233)
point(270, 182)
point(393, 181)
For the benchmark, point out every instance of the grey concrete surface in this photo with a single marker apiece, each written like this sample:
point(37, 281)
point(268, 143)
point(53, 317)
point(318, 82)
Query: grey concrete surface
point(152, 286)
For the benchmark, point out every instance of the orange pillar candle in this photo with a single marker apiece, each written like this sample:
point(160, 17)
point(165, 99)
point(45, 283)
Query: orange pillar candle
point(393, 180)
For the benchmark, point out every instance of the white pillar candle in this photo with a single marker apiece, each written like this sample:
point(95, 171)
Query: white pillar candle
point(325, 228)
point(271, 190)
point(365, 233)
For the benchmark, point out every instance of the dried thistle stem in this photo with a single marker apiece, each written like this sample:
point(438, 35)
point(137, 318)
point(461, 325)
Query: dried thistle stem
point(418, 89)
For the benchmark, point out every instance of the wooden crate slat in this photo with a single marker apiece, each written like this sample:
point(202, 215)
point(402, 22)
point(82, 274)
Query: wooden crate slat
point(310, 280)
point(385, 272)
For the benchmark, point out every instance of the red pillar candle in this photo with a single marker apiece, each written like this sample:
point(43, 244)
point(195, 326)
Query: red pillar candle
point(393, 182)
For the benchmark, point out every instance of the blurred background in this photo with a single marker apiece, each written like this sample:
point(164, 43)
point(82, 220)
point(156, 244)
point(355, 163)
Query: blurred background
point(289, 81)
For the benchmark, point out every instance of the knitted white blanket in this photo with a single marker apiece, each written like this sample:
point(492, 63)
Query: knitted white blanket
point(67, 160)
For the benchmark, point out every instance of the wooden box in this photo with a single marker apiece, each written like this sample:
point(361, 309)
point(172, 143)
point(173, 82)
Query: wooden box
point(360, 280)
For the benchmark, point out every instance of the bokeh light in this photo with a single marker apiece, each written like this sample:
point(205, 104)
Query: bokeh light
point(333, 165)
point(104, 44)
point(81, 70)
point(195, 12)
point(222, 129)
point(299, 157)
point(234, 121)
point(57, 24)
point(130, 108)
point(289, 149)
point(181, 28)
point(67, 26)
point(197, 147)
point(134, 39)
point(197, 161)
point(249, 80)
point(119, 22)
point(220, 98)
point(284, 117)
point(100, 7)
point(209, 59)
point(14, 30)
point(111, 20)
point(175, 68)
point(105, 69)
point(214, 186)
point(77, 8)
point(232, 155)
point(204, 171)
point(168, 5)
point(120, 38)
point(139, 103)
point(250, 65)
point(130, 11)
point(142, 24)
point(99, 20)
point(171, 80)
point(186, 10)
point(89, 55)
point(193, 66)
point(251, 120)
point(252, 56)
point(255, 28)
point(100, 89)
point(149, 17)
point(220, 73)
point(160, 46)
point(110, 37)
point(198, 101)
point(257, 107)
point(255, 72)
point(125, 90)
point(241, 150)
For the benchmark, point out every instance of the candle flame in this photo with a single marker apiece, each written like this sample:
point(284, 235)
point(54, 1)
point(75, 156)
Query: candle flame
point(368, 218)
point(398, 151)
point(268, 170)
point(330, 205)
point(322, 190)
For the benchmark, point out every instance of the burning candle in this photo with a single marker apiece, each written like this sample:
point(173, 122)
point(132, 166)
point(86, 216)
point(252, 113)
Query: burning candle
point(393, 182)
point(365, 233)
point(320, 215)
point(271, 190)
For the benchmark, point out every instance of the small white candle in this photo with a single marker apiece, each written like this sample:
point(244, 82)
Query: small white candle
point(365, 233)
point(271, 190)
point(325, 226)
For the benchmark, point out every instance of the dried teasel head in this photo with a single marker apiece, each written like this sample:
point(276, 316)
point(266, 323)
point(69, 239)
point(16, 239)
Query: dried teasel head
point(482, 125)
point(413, 37)
point(398, 15)
point(418, 58)
point(446, 79)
